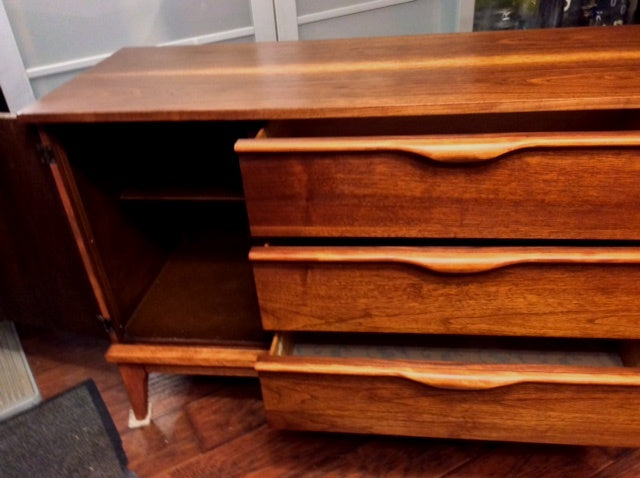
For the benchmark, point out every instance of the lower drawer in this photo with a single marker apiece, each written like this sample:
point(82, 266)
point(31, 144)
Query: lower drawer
point(543, 291)
point(572, 392)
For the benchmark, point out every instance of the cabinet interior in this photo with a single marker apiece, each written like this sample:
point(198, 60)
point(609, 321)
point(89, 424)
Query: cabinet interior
point(165, 205)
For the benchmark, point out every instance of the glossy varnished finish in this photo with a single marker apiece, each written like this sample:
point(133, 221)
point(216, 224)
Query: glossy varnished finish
point(544, 70)
point(528, 412)
point(136, 381)
point(540, 403)
point(391, 187)
point(544, 291)
point(442, 149)
point(154, 356)
point(571, 186)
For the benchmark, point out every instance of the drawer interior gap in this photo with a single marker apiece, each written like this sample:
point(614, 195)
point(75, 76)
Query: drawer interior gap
point(458, 124)
point(468, 350)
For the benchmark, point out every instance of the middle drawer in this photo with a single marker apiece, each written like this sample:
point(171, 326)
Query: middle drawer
point(526, 291)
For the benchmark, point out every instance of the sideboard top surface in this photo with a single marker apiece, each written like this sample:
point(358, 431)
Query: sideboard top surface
point(491, 72)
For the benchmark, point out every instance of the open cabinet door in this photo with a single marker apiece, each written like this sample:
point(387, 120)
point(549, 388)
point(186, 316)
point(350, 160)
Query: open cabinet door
point(42, 282)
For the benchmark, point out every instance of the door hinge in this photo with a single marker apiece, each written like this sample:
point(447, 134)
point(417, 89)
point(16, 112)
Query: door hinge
point(47, 156)
point(106, 322)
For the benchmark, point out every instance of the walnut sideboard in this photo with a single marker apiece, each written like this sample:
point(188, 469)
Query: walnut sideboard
point(439, 234)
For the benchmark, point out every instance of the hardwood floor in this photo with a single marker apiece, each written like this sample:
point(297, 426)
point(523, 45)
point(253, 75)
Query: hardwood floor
point(205, 426)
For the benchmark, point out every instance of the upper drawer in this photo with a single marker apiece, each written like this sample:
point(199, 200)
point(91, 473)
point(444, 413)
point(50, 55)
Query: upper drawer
point(533, 185)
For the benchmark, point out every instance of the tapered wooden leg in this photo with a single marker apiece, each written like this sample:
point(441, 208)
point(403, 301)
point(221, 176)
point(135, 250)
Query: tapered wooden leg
point(136, 381)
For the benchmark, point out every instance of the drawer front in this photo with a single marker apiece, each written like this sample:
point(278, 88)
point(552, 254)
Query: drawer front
point(562, 291)
point(602, 415)
point(569, 405)
point(546, 186)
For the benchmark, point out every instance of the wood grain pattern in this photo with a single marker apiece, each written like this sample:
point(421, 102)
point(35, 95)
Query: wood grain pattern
point(448, 260)
point(538, 403)
point(560, 187)
point(119, 259)
point(136, 379)
point(543, 413)
point(625, 465)
point(454, 377)
point(442, 149)
point(78, 221)
point(527, 461)
point(169, 438)
point(543, 70)
point(232, 412)
point(538, 194)
point(184, 355)
point(570, 292)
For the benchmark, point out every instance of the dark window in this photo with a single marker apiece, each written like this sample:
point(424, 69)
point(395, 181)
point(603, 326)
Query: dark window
point(3, 103)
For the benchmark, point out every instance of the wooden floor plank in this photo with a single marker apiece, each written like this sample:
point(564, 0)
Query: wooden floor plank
point(393, 456)
point(228, 413)
point(266, 451)
point(48, 350)
point(534, 461)
point(168, 440)
point(626, 465)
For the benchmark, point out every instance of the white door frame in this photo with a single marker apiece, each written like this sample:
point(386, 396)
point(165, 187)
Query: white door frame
point(13, 77)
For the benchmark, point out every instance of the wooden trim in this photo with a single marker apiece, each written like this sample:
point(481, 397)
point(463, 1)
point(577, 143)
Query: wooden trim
point(451, 260)
point(184, 356)
point(209, 371)
point(136, 382)
point(452, 376)
point(444, 149)
point(80, 227)
point(14, 81)
point(281, 345)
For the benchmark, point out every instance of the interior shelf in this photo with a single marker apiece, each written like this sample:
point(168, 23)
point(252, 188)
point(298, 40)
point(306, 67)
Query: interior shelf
point(221, 194)
point(203, 294)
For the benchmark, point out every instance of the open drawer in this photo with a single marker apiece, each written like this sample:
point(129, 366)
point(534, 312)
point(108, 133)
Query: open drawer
point(548, 391)
point(528, 291)
point(562, 185)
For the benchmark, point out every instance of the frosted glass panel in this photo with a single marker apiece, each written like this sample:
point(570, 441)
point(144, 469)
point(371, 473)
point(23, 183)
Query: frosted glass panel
point(43, 85)
point(66, 31)
point(399, 18)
